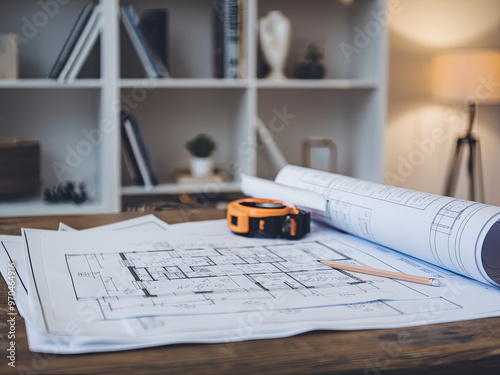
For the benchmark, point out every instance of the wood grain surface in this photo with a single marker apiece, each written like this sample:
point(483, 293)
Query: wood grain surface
point(452, 348)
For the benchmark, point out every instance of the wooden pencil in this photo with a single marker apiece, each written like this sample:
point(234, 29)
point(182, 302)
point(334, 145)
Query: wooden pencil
point(376, 272)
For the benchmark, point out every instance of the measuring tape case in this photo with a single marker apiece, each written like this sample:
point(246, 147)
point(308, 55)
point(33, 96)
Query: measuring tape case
point(267, 218)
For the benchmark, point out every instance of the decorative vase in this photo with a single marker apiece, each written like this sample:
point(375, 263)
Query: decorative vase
point(275, 35)
point(201, 167)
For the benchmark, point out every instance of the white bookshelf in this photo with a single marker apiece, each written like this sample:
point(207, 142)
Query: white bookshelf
point(348, 105)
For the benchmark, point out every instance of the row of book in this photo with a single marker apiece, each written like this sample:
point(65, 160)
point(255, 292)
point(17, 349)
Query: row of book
point(148, 34)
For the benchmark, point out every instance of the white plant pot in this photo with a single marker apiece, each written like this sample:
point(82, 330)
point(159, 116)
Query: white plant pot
point(201, 167)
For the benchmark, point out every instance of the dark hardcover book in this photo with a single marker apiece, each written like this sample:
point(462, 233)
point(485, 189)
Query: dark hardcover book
point(139, 149)
point(129, 159)
point(152, 63)
point(154, 24)
point(71, 41)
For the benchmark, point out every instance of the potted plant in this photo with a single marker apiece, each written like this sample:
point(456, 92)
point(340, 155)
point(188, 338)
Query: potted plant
point(201, 149)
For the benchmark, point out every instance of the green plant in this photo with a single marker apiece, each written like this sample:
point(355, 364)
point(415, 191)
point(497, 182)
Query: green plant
point(201, 146)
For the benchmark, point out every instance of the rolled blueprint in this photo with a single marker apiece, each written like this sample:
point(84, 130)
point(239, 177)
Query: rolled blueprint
point(459, 235)
point(270, 190)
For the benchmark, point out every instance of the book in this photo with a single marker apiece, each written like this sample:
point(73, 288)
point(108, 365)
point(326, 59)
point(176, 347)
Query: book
point(151, 61)
point(138, 151)
point(154, 24)
point(231, 39)
point(184, 176)
point(226, 34)
point(83, 45)
point(218, 40)
point(241, 65)
point(90, 41)
point(71, 41)
point(129, 160)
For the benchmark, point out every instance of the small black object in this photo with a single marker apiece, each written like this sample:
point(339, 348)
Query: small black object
point(309, 70)
point(65, 192)
point(312, 68)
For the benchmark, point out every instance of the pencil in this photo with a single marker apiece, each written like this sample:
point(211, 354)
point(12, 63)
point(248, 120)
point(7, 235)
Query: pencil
point(376, 272)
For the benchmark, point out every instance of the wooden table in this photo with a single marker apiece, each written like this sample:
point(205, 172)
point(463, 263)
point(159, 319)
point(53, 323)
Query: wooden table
point(451, 348)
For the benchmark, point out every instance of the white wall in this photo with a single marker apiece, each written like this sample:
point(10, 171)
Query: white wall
point(421, 131)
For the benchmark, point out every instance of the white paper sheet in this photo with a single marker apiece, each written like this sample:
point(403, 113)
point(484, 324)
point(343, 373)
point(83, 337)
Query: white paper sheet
point(142, 223)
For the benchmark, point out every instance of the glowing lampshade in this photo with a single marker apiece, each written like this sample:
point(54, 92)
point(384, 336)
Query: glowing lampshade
point(471, 75)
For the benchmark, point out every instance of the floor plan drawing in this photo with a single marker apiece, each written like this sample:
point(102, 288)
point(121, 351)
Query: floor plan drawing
point(171, 280)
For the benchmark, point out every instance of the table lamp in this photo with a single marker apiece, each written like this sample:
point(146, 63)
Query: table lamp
point(472, 77)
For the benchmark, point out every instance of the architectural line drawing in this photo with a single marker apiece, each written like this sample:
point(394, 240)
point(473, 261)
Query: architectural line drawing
point(169, 280)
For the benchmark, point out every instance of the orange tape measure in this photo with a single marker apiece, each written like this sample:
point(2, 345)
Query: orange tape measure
point(267, 218)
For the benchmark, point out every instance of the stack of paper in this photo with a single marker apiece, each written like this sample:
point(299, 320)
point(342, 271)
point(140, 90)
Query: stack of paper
point(142, 283)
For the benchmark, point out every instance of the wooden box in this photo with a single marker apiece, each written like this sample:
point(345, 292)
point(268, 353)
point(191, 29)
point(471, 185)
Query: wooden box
point(19, 168)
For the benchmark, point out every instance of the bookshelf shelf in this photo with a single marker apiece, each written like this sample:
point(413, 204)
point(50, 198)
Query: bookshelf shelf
point(347, 106)
point(210, 83)
point(226, 187)
point(39, 207)
point(333, 84)
point(41, 83)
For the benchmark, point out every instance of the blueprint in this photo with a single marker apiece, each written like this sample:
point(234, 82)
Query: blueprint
point(201, 283)
point(165, 280)
point(455, 234)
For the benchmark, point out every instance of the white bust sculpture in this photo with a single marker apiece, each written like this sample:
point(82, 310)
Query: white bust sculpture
point(275, 35)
